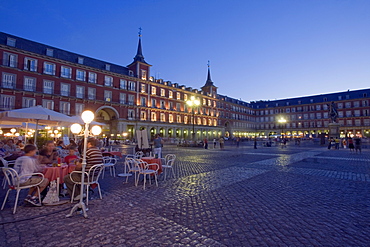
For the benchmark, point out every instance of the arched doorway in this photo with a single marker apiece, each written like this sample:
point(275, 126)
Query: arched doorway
point(228, 130)
point(152, 133)
point(109, 116)
point(170, 133)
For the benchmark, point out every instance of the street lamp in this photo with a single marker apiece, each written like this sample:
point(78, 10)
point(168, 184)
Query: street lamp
point(193, 103)
point(87, 117)
point(282, 122)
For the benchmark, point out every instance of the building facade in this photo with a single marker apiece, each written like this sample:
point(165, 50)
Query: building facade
point(127, 98)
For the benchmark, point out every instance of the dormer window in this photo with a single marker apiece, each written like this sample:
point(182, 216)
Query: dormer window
point(10, 42)
point(131, 73)
point(49, 52)
point(80, 60)
point(107, 67)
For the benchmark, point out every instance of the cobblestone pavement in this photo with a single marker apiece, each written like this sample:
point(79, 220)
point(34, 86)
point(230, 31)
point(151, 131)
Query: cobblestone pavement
point(296, 196)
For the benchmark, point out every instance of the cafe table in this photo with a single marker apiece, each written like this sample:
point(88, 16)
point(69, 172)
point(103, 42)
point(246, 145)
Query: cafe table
point(54, 172)
point(113, 153)
point(152, 160)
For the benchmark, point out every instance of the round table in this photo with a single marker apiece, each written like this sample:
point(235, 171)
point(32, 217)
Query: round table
point(52, 173)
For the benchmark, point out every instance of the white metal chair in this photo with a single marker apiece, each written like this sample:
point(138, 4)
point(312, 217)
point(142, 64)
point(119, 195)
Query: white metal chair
point(13, 180)
point(144, 168)
point(139, 154)
point(110, 163)
point(169, 161)
point(5, 164)
point(131, 167)
point(91, 177)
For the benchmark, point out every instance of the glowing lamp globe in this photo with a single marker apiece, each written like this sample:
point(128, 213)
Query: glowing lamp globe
point(87, 116)
point(76, 128)
point(96, 130)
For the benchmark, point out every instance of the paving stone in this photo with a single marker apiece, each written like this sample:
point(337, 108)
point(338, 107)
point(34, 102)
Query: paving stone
point(298, 196)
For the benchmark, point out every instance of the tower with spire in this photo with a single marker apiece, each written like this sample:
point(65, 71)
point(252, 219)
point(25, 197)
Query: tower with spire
point(209, 88)
point(139, 67)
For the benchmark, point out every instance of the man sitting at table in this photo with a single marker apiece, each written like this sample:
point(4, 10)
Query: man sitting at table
point(49, 154)
point(71, 156)
point(93, 157)
point(28, 164)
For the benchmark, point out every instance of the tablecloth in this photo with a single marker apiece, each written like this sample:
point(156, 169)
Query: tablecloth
point(151, 160)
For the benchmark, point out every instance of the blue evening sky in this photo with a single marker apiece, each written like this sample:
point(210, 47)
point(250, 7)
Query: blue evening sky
point(259, 49)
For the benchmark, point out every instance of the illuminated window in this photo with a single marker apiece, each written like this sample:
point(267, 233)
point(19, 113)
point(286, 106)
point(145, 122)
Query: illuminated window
point(143, 74)
point(170, 118)
point(154, 90)
point(154, 116)
point(143, 115)
point(163, 92)
point(178, 96)
point(185, 97)
point(170, 94)
point(163, 117)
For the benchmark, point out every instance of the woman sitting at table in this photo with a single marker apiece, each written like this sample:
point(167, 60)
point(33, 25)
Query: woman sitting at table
point(71, 156)
point(12, 152)
point(49, 154)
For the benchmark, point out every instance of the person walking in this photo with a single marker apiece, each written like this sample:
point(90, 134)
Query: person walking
point(358, 144)
point(350, 144)
point(255, 142)
point(158, 144)
point(214, 143)
point(205, 142)
point(337, 143)
point(222, 141)
point(237, 141)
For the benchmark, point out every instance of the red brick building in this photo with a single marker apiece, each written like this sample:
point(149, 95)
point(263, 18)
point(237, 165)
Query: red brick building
point(128, 98)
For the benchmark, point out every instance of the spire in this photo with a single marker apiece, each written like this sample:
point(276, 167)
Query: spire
point(209, 81)
point(139, 55)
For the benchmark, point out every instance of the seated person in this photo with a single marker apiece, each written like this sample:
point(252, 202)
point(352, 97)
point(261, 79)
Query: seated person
point(12, 152)
point(93, 157)
point(49, 154)
point(71, 156)
point(28, 164)
point(2, 149)
point(60, 145)
point(19, 144)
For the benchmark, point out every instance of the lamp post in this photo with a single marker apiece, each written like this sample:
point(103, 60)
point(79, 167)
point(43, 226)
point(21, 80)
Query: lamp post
point(282, 121)
point(87, 117)
point(193, 103)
